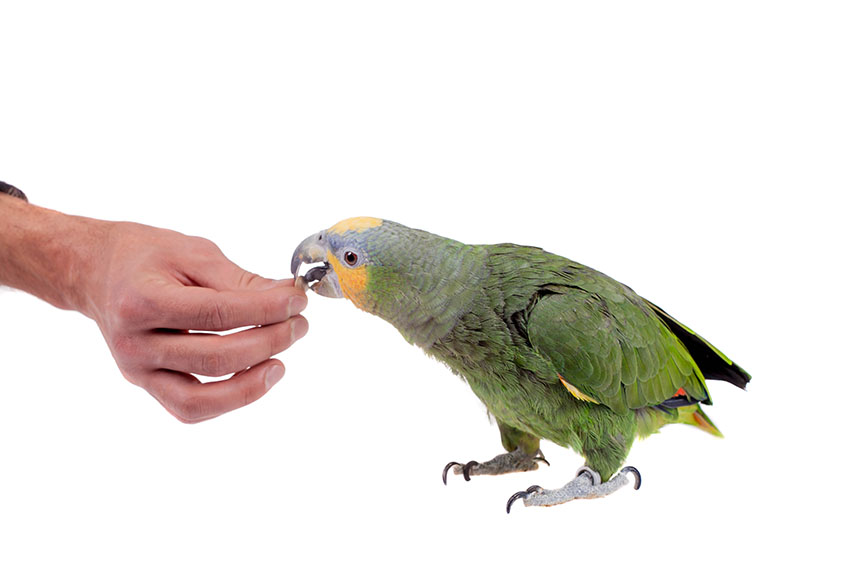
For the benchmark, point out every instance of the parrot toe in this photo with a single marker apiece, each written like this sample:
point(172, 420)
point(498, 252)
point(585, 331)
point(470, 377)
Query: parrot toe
point(539, 458)
point(459, 468)
point(586, 484)
point(515, 461)
point(534, 488)
point(636, 474)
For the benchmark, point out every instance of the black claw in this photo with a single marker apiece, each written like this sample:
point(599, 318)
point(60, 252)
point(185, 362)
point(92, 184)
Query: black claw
point(464, 467)
point(446, 470)
point(635, 472)
point(541, 459)
point(522, 494)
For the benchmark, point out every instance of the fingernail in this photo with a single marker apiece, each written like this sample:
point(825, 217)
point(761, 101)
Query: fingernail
point(297, 304)
point(298, 329)
point(273, 375)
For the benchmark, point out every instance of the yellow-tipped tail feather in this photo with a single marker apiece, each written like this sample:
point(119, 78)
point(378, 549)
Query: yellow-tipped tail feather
point(693, 415)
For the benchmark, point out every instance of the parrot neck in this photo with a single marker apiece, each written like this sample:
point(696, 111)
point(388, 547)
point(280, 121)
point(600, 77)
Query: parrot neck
point(425, 298)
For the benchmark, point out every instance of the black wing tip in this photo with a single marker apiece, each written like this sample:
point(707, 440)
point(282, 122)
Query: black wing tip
point(713, 365)
point(732, 373)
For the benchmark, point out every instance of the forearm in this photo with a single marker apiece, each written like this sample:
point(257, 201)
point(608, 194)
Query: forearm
point(48, 254)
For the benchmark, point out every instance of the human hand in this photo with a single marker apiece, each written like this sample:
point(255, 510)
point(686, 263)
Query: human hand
point(149, 287)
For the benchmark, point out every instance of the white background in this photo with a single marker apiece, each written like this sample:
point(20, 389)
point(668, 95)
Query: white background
point(697, 153)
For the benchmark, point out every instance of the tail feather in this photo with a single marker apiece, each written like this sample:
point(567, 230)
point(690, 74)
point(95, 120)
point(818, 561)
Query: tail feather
point(693, 415)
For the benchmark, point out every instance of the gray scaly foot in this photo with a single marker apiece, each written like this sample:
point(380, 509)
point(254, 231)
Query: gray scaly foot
point(587, 484)
point(515, 461)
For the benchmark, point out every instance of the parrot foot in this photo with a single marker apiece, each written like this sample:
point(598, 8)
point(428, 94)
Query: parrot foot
point(515, 461)
point(587, 484)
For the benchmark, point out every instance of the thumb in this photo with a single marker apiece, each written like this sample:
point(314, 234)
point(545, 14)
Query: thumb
point(234, 278)
point(251, 281)
point(216, 271)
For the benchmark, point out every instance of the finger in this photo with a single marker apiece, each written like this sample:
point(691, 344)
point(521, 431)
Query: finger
point(204, 309)
point(191, 401)
point(227, 276)
point(211, 268)
point(216, 355)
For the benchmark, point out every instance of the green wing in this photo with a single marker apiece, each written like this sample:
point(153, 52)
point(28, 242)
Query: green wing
point(607, 343)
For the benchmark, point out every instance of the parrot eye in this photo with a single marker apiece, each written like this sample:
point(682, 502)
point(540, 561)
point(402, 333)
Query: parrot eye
point(350, 257)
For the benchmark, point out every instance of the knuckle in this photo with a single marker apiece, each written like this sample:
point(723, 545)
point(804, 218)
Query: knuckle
point(248, 279)
point(131, 308)
point(267, 312)
point(217, 316)
point(126, 348)
point(215, 363)
point(251, 393)
point(276, 343)
point(246, 398)
point(205, 246)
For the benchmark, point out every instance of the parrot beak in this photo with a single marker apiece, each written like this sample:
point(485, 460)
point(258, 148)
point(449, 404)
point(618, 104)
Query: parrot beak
point(313, 250)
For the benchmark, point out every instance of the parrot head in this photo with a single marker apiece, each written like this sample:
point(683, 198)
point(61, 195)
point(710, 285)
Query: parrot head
point(346, 252)
point(406, 276)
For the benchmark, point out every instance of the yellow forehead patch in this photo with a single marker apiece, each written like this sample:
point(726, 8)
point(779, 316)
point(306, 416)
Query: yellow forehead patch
point(357, 224)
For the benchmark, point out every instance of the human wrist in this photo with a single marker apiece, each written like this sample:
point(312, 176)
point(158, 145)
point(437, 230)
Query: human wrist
point(49, 254)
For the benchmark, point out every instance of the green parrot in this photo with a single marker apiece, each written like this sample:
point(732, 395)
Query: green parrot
point(554, 349)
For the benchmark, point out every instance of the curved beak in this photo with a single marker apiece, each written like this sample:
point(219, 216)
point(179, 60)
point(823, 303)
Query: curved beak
point(312, 250)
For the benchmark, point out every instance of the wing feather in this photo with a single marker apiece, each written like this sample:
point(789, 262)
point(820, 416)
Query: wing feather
point(611, 348)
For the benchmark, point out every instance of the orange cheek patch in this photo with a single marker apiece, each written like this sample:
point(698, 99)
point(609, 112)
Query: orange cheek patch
point(352, 281)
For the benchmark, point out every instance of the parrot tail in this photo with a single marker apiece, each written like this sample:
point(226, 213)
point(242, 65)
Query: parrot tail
point(650, 420)
point(693, 415)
